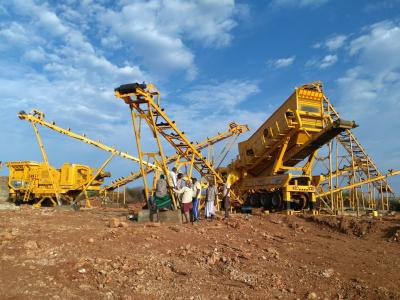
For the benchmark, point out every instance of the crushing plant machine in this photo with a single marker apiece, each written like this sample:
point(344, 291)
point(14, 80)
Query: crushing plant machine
point(267, 170)
point(33, 182)
point(36, 117)
point(274, 165)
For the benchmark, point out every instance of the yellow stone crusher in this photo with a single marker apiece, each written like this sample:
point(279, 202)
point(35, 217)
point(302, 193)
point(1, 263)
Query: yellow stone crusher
point(268, 172)
point(31, 182)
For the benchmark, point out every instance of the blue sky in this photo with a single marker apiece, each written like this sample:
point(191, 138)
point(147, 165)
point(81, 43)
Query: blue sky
point(213, 61)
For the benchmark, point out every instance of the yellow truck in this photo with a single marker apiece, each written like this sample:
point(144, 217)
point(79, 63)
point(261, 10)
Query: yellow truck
point(31, 182)
point(269, 171)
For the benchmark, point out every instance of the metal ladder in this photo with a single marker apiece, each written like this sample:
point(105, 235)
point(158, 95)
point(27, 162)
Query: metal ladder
point(29, 190)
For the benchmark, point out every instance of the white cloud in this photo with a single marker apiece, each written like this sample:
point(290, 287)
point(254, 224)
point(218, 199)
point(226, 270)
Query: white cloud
point(298, 3)
point(209, 108)
point(14, 33)
point(325, 62)
point(44, 18)
point(379, 49)
point(158, 36)
point(51, 59)
point(282, 62)
point(378, 63)
point(333, 43)
point(159, 30)
point(328, 61)
point(70, 55)
point(48, 64)
point(381, 5)
point(369, 91)
point(35, 55)
point(223, 96)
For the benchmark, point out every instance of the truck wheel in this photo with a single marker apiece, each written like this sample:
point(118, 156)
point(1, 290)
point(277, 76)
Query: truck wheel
point(300, 202)
point(18, 201)
point(277, 200)
point(255, 200)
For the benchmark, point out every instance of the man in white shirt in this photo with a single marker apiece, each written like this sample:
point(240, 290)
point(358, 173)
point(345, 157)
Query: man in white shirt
point(211, 197)
point(172, 175)
point(226, 196)
point(187, 195)
point(196, 199)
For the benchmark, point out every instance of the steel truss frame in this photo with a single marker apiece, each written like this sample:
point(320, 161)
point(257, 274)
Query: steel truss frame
point(231, 135)
point(348, 167)
point(144, 103)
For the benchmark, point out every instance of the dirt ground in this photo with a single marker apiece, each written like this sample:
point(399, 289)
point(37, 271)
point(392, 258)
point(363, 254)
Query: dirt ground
point(53, 253)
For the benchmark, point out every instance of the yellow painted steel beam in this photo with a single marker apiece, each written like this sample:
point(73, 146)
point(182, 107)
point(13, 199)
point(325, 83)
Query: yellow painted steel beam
point(278, 163)
point(99, 170)
point(145, 96)
point(234, 129)
point(46, 161)
point(340, 172)
point(349, 135)
point(143, 171)
point(309, 164)
point(153, 125)
point(37, 117)
point(145, 99)
point(360, 183)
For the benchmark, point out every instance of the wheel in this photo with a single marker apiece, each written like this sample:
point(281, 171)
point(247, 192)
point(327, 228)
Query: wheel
point(277, 200)
point(254, 200)
point(300, 202)
point(18, 201)
point(264, 200)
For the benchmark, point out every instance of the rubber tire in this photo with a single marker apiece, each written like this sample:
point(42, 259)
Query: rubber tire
point(277, 200)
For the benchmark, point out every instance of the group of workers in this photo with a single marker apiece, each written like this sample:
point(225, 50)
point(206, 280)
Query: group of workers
point(188, 194)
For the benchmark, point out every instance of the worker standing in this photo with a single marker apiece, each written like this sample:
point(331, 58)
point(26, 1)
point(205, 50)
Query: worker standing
point(173, 180)
point(161, 199)
point(226, 196)
point(173, 176)
point(161, 186)
point(180, 182)
point(211, 197)
point(196, 199)
point(187, 195)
